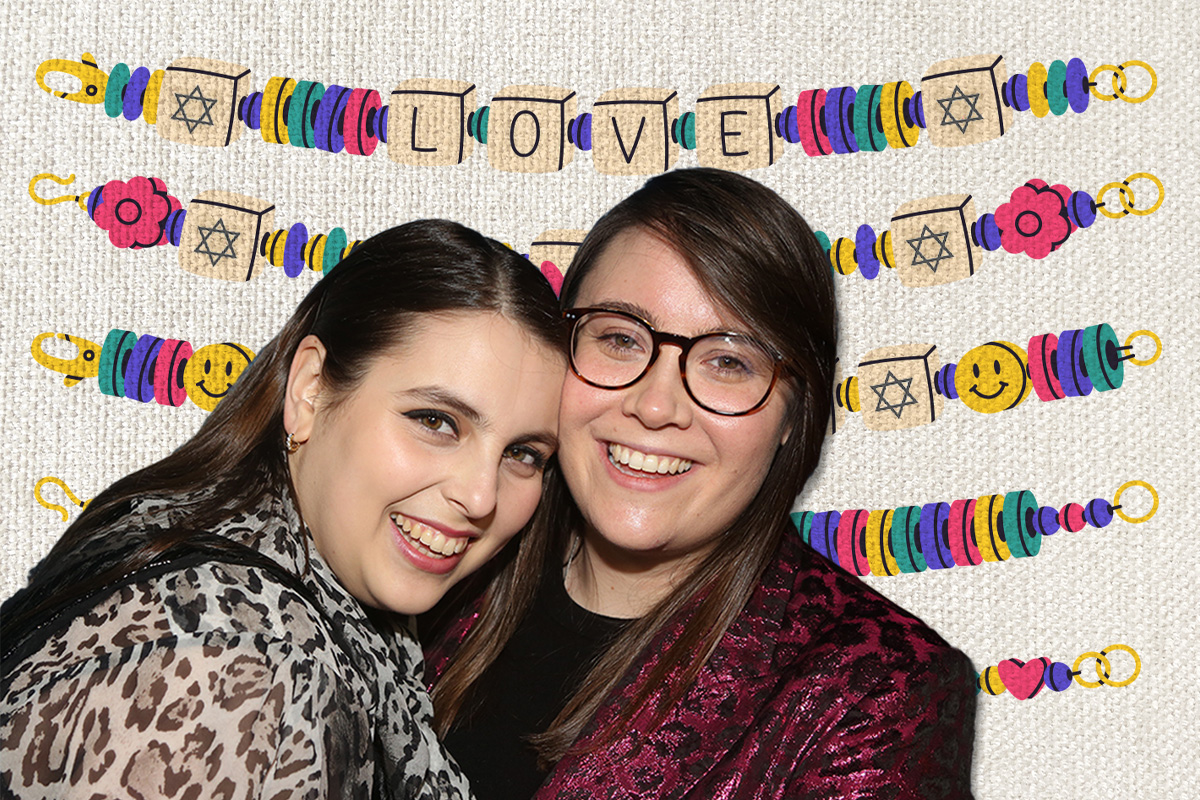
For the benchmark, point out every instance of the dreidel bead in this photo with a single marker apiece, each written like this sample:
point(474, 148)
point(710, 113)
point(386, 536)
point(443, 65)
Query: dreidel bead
point(579, 132)
point(1081, 209)
point(1047, 521)
point(1098, 513)
point(683, 130)
point(787, 125)
point(114, 91)
point(477, 124)
point(986, 233)
point(1078, 86)
point(839, 119)
point(810, 108)
point(1015, 93)
point(960, 531)
point(1058, 676)
point(1056, 89)
point(841, 255)
point(131, 106)
point(1070, 518)
point(943, 381)
point(864, 252)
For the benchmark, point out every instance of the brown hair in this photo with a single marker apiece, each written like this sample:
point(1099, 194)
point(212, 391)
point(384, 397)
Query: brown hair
point(756, 256)
point(360, 309)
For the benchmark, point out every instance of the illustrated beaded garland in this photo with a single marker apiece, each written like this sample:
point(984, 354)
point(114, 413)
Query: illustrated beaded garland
point(967, 532)
point(629, 131)
point(942, 240)
point(60, 483)
point(147, 367)
point(1024, 679)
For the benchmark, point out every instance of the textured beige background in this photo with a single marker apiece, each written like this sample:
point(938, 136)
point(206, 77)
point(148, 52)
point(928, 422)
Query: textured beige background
point(1130, 584)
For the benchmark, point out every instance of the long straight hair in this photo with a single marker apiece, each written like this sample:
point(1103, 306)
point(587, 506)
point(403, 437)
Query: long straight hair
point(755, 256)
point(362, 308)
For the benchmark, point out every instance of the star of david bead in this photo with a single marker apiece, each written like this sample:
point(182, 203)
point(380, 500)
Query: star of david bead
point(631, 131)
point(895, 386)
point(527, 128)
point(221, 235)
point(428, 121)
point(735, 125)
point(198, 101)
point(932, 242)
point(962, 101)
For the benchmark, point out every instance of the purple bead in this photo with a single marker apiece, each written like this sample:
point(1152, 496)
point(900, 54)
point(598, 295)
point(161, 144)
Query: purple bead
point(943, 382)
point(585, 131)
point(1098, 513)
point(174, 226)
point(293, 250)
point(986, 232)
point(1081, 209)
point(864, 252)
point(94, 200)
point(839, 121)
point(822, 536)
point(917, 109)
point(1017, 93)
point(786, 125)
point(381, 120)
point(1078, 91)
point(1057, 676)
point(1047, 521)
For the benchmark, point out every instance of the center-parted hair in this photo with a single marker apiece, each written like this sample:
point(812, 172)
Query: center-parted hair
point(758, 260)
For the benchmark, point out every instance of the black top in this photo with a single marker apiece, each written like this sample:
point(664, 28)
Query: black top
point(523, 691)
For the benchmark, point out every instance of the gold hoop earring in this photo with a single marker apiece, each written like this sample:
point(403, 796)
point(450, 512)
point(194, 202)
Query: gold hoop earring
point(291, 444)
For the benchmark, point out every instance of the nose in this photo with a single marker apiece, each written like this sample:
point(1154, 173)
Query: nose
point(472, 485)
point(659, 399)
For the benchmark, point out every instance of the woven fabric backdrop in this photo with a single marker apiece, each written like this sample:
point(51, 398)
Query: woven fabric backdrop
point(1129, 584)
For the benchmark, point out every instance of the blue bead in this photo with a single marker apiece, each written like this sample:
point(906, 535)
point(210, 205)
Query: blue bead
point(787, 125)
point(381, 122)
point(585, 132)
point(174, 226)
point(864, 252)
point(1018, 96)
point(1071, 369)
point(328, 126)
point(1078, 91)
point(1057, 676)
point(132, 105)
point(934, 546)
point(823, 533)
point(293, 250)
point(253, 109)
point(1047, 521)
point(838, 120)
point(918, 105)
point(1081, 209)
point(986, 232)
point(943, 381)
point(1098, 513)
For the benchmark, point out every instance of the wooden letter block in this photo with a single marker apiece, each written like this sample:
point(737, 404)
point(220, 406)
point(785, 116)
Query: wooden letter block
point(527, 128)
point(198, 101)
point(895, 387)
point(735, 126)
point(631, 131)
point(553, 252)
point(221, 233)
point(931, 240)
point(427, 122)
point(962, 103)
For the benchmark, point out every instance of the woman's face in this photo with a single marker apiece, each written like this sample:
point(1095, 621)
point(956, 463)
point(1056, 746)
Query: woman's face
point(430, 466)
point(648, 516)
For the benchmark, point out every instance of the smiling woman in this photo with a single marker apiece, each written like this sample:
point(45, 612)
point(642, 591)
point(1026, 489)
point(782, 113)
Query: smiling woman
point(664, 632)
point(231, 621)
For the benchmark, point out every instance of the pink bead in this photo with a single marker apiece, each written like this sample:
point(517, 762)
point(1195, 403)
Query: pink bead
point(1071, 518)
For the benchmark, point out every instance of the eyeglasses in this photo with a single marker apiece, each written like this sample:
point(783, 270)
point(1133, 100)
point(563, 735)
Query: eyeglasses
point(726, 373)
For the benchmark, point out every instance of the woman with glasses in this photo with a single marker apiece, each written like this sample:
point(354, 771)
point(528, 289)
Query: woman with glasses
point(663, 631)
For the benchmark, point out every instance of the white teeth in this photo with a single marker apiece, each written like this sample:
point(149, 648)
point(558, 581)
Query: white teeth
point(647, 462)
point(433, 542)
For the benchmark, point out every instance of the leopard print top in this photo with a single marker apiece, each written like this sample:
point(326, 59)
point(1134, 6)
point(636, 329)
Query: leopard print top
point(215, 681)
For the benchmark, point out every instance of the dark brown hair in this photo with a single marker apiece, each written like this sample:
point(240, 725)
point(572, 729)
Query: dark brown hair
point(755, 256)
point(360, 309)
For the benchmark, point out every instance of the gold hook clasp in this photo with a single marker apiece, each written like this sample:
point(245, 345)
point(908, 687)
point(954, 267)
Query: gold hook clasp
point(60, 483)
point(92, 80)
point(79, 199)
point(85, 365)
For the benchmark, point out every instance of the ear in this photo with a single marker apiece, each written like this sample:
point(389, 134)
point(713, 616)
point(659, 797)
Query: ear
point(303, 388)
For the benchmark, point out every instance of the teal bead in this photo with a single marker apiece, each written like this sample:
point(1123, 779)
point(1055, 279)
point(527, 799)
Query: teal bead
point(1056, 88)
point(114, 93)
point(868, 132)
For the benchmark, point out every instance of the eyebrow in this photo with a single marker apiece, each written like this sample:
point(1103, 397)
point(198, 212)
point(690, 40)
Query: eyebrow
point(644, 313)
point(436, 395)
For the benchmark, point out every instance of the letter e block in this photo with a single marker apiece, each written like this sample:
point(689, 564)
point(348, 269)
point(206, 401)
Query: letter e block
point(735, 126)
point(962, 101)
point(198, 101)
point(631, 131)
point(895, 387)
point(527, 128)
point(931, 240)
point(557, 247)
point(427, 122)
point(221, 233)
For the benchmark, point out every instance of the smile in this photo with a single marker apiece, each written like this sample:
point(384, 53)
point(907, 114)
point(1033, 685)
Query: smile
point(432, 543)
point(203, 388)
point(975, 391)
point(646, 463)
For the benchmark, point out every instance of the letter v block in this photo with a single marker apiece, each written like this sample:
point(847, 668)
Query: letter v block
point(631, 131)
point(427, 122)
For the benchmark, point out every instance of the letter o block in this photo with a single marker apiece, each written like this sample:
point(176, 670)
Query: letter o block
point(735, 126)
point(427, 122)
point(198, 101)
point(221, 233)
point(527, 128)
point(631, 131)
point(962, 101)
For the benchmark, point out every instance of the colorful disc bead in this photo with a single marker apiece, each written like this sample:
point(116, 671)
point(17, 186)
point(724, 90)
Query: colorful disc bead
point(139, 370)
point(1016, 93)
point(935, 546)
point(878, 535)
point(327, 128)
point(864, 252)
point(899, 128)
point(301, 114)
point(1077, 85)
point(1020, 525)
point(1102, 357)
point(1072, 372)
point(131, 105)
point(114, 356)
point(169, 388)
point(1043, 367)
point(1056, 89)
point(810, 108)
point(358, 129)
point(823, 533)
point(839, 119)
point(803, 521)
point(868, 128)
point(960, 533)
point(989, 534)
point(114, 90)
point(851, 542)
point(293, 250)
point(905, 541)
